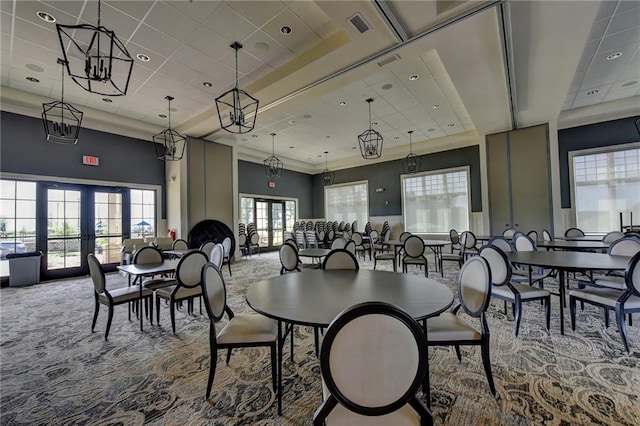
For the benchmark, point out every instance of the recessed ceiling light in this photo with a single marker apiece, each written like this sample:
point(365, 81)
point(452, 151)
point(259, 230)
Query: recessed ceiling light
point(319, 155)
point(353, 147)
point(254, 136)
point(107, 100)
point(207, 84)
point(143, 57)
point(33, 79)
point(387, 86)
point(414, 77)
point(630, 83)
point(436, 106)
point(328, 137)
point(261, 46)
point(162, 115)
point(375, 123)
point(291, 147)
point(34, 67)
point(593, 92)
point(45, 16)
point(396, 137)
point(292, 122)
point(450, 125)
point(285, 30)
point(343, 103)
point(431, 130)
point(614, 56)
point(307, 116)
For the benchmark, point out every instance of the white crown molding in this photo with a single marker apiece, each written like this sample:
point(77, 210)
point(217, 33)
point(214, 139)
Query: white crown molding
point(614, 110)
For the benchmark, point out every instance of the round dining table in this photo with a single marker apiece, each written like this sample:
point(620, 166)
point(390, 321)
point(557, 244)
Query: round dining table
point(316, 297)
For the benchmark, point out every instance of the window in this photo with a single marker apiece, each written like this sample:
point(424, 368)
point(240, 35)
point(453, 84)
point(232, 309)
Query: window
point(247, 215)
point(605, 185)
point(347, 202)
point(436, 202)
point(143, 213)
point(17, 218)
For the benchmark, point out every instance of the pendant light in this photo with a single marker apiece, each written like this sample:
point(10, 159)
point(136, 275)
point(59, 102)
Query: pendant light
point(95, 58)
point(327, 176)
point(273, 165)
point(243, 107)
point(61, 121)
point(370, 141)
point(411, 163)
point(169, 143)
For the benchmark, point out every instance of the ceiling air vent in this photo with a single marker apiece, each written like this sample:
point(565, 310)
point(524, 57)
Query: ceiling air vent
point(388, 60)
point(358, 22)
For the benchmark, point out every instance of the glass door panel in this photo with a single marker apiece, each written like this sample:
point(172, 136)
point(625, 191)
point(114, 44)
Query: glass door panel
point(277, 223)
point(64, 229)
point(107, 225)
point(262, 222)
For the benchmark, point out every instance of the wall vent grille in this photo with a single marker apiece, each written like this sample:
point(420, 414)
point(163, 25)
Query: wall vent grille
point(358, 22)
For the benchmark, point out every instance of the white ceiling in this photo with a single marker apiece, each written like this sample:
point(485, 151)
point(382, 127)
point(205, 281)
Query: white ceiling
point(557, 54)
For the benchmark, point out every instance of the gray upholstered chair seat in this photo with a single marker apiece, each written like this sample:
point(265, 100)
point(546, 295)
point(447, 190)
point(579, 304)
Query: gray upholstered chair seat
point(449, 327)
point(385, 256)
point(414, 261)
point(248, 329)
point(156, 283)
point(125, 294)
point(606, 297)
point(611, 282)
point(526, 291)
point(183, 292)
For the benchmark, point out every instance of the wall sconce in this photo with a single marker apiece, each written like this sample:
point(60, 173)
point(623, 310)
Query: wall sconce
point(380, 189)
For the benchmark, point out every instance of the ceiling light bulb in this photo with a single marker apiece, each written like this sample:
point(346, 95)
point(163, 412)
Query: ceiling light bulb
point(414, 77)
point(142, 57)
point(614, 56)
point(45, 16)
point(207, 84)
point(593, 92)
point(436, 106)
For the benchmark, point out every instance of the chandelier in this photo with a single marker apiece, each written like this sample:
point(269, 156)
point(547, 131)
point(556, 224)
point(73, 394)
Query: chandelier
point(370, 141)
point(411, 163)
point(169, 143)
point(96, 59)
point(61, 120)
point(327, 176)
point(273, 165)
point(243, 107)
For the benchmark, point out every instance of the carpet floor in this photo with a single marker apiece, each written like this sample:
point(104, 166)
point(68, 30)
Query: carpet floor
point(54, 371)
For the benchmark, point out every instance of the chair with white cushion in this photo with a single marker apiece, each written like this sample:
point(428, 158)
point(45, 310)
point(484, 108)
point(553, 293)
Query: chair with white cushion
point(612, 236)
point(474, 294)
point(340, 259)
point(508, 233)
point(149, 255)
point(241, 331)
point(217, 255)
point(546, 235)
point(373, 360)
point(350, 246)
point(413, 254)
point(574, 232)
point(206, 247)
point(180, 245)
point(288, 259)
point(623, 247)
point(227, 255)
point(530, 274)
point(502, 243)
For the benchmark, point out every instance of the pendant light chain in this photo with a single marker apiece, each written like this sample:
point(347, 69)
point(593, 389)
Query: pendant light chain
point(410, 144)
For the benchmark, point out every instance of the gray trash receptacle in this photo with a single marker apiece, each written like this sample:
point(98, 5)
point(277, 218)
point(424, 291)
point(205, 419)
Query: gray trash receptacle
point(24, 268)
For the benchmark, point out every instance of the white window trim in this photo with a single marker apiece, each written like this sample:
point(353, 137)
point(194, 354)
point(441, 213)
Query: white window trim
point(353, 183)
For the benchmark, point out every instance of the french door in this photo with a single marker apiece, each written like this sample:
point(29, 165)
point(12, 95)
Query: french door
point(270, 220)
point(75, 220)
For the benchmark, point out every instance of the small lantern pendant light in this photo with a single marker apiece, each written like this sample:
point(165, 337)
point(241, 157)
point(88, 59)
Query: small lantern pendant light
point(169, 143)
point(327, 176)
point(273, 165)
point(411, 163)
point(61, 121)
point(370, 141)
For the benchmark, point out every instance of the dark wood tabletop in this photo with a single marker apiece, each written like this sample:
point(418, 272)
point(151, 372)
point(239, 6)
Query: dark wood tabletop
point(150, 268)
point(574, 245)
point(570, 260)
point(583, 238)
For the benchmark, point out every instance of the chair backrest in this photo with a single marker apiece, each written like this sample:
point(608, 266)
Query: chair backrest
point(300, 239)
point(180, 245)
point(454, 236)
point(367, 228)
point(502, 243)
point(612, 236)
point(474, 286)
point(354, 226)
point(350, 246)
point(129, 244)
point(498, 264)
point(469, 240)
point(524, 243)
point(373, 236)
point(217, 255)
point(373, 360)
point(321, 235)
point(214, 291)
point(288, 257)
point(254, 239)
point(97, 274)
point(310, 236)
point(356, 237)
point(226, 246)
point(574, 232)
point(533, 234)
point(338, 243)
point(206, 247)
point(404, 236)
point(624, 247)
point(330, 234)
point(242, 240)
point(413, 246)
point(340, 259)
point(341, 226)
point(387, 235)
point(546, 235)
point(632, 275)
point(508, 233)
point(346, 235)
point(147, 255)
point(292, 243)
point(163, 243)
point(189, 269)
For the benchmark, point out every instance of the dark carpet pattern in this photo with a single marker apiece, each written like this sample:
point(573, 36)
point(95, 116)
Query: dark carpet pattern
point(55, 371)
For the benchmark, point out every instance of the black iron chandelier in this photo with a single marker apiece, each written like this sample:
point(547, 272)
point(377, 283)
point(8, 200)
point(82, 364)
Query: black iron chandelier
point(327, 176)
point(95, 58)
point(243, 107)
point(61, 121)
point(273, 165)
point(169, 143)
point(411, 163)
point(370, 141)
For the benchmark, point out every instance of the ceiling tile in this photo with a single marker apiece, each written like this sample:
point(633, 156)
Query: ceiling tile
point(178, 71)
point(209, 43)
point(598, 28)
point(619, 39)
point(27, 10)
point(310, 14)
point(229, 24)
point(155, 41)
point(258, 12)
point(606, 9)
point(198, 10)
point(624, 21)
point(276, 54)
point(5, 25)
point(170, 21)
point(36, 34)
point(114, 20)
point(301, 38)
point(136, 9)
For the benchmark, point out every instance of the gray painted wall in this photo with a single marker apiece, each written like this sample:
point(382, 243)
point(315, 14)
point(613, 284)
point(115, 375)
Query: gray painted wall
point(252, 180)
point(387, 175)
point(598, 135)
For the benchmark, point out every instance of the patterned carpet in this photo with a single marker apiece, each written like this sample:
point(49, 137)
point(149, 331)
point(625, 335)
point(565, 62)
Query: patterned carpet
point(55, 371)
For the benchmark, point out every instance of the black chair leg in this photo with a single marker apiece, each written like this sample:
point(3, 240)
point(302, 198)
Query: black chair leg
point(228, 355)
point(212, 367)
point(486, 360)
point(273, 367)
point(106, 333)
point(518, 315)
point(95, 314)
point(622, 329)
point(172, 308)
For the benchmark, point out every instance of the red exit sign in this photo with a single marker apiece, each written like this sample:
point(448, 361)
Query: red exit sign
point(272, 184)
point(90, 160)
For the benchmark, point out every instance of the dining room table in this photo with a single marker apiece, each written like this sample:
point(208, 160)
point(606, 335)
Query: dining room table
point(571, 245)
point(581, 238)
point(315, 297)
point(139, 271)
point(568, 261)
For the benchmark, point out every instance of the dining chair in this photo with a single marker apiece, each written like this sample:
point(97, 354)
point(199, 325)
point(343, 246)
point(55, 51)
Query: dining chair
point(454, 237)
point(188, 275)
point(310, 237)
point(381, 255)
point(289, 259)
point(612, 236)
point(242, 243)
point(385, 235)
point(546, 235)
point(320, 237)
point(338, 242)
point(474, 294)
point(622, 247)
point(302, 243)
point(254, 243)
point(361, 246)
point(413, 254)
point(340, 259)
point(149, 255)
point(351, 247)
point(180, 244)
point(457, 257)
point(514, 293)
point(470, 241)
point(373, 360)
point(217, 255)
point(241, 331)
point(531, 275)
point(508, 233)
point(227, 255)
point(354, 226)
point(331, 234)
point(206, 247)
point(502, 243)
point(620, 301)
point(111, 298)
point(574, 232)
point(533, 234)
point(129, 245)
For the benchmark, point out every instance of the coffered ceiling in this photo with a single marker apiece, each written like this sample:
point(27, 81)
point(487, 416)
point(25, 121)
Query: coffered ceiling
point(451, 71)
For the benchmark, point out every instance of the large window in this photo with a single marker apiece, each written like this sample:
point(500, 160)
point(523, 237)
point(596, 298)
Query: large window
point(606, 184)
point(17, 216)
point(436, 202)
point(143, 213)
point(347, 202)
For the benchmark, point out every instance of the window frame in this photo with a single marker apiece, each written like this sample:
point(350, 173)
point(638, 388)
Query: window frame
point(343, 184)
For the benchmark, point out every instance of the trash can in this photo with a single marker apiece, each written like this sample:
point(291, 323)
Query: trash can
point(24, 268)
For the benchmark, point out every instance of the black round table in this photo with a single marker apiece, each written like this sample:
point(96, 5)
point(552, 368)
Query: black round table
point(316, 297)
point(573, 245)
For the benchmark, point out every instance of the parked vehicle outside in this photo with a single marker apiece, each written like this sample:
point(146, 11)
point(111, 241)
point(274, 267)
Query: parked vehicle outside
point(7, 247)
